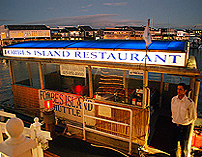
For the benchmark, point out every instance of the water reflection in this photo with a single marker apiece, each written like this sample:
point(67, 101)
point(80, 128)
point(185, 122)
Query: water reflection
point(198, 55)
point(5, 83)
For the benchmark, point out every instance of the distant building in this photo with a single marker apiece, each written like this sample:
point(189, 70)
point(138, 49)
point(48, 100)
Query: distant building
point(17, 33)
point(58, 34)
point(197, 32)
point(138, 32)
point(74, 33)
point(55, 33)
point(23, 32)
point(168, 34)
point(115, 33)
point(182, 35)
point(86, 32)
point(155, 34)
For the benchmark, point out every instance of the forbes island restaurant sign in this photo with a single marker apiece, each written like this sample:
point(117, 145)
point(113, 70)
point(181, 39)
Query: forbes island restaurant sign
point(153, 58)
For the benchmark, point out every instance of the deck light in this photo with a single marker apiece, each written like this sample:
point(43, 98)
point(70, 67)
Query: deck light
point(48, 104)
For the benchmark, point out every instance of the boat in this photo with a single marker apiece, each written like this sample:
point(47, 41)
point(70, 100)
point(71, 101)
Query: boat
point(195, 42)
point(200, 47)
point(101, 91)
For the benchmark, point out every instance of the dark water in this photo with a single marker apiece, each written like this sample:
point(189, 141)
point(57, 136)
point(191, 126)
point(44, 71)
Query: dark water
point(198, 55)
point(5, 84)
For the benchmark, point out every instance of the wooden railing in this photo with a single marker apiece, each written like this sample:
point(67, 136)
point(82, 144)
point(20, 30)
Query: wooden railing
point(34, 132)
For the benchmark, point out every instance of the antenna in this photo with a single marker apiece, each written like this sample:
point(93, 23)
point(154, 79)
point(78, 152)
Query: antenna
point(169, 29)
point(152, 23)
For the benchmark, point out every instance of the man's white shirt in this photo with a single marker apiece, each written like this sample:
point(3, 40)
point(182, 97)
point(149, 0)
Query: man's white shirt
point(183, 111)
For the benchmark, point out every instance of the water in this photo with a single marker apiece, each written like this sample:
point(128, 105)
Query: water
point(5, 83)
point(198, 55)
point(21, 72)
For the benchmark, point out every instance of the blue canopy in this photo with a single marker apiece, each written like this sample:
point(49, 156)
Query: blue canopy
point(104, 44)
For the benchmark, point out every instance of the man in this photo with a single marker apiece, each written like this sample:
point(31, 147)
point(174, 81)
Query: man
point(183, 115)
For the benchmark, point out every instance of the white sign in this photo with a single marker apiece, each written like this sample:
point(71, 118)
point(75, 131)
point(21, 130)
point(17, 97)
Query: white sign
point(153, 58)
point(104, 111)
point(73, 70)
point(136, 72)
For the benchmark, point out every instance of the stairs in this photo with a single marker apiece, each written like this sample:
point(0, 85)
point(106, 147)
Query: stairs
point(111, 86)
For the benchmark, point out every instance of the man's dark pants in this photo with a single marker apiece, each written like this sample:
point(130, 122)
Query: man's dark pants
point(180, 133)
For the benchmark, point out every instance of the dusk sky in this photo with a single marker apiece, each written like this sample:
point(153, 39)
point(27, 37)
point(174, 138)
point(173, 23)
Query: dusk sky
point(103, 13)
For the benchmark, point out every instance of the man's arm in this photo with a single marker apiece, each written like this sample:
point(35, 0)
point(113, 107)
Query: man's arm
point(192, 111)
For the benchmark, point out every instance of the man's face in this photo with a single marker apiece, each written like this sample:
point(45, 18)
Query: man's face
point(181, 91)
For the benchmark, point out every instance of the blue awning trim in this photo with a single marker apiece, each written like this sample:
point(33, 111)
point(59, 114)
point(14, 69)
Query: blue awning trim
point(104, 44)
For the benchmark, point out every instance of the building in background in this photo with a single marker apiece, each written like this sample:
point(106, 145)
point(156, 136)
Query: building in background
point(182, 35)
point(10, 34)
point(16, 33)
point(116, 33)
point(74, 33)
point(59, 33)
point(138, 32)
point(65, 33)
point(86, 32)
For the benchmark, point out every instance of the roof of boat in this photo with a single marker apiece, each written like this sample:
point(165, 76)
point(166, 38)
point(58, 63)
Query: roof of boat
point(103, 44)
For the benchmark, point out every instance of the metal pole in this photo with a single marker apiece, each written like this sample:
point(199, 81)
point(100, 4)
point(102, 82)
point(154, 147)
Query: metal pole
point(161, 91)
point(90, 81)
point(11, 70)
point(83, 116)
point(192, 86)
point(131, 131)
point(41, 75)
point(125, 84)
point(145, 82)
point(145, 76)
point(30, 76)
point(196, 91)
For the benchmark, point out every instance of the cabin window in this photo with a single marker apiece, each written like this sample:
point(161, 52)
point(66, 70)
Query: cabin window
point(126, 86)
point(116, 85)
point(26, 73)
point(67, 78)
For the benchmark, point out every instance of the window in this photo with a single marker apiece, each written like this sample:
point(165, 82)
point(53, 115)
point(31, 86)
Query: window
point(114, 84)
point(66, 78)
point(30, 75)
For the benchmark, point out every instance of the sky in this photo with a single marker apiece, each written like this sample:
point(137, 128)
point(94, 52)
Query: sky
point(103, 13)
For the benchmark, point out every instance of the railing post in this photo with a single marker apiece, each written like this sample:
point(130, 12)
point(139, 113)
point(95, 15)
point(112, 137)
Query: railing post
point(35, 129)
point(2, 117)
point(1, 135)
point(90, 81)
point(11, 70)
point(17, 144)
point(131, 131)
point(83, 116)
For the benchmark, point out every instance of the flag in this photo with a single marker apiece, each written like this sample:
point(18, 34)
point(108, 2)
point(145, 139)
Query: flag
point(146, 34)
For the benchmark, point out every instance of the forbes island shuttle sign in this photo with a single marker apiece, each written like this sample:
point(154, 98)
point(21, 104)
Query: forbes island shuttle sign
point(153, 58)
point(68, 106)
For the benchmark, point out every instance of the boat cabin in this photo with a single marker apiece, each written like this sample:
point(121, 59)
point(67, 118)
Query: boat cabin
point(110, 92)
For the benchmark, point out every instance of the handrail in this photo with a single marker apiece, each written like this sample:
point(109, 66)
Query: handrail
point(6, 114)
point(107, 120)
